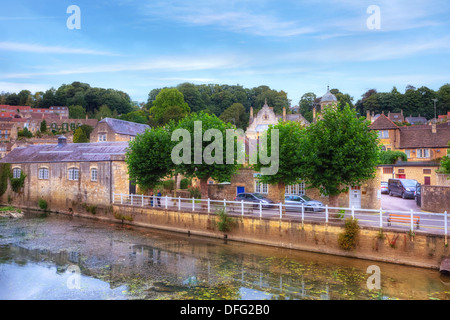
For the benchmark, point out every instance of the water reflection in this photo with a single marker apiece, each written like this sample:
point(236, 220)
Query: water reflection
point(118, 262)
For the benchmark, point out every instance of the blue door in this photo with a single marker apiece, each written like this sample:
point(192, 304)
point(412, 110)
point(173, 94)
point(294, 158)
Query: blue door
point(240, 189)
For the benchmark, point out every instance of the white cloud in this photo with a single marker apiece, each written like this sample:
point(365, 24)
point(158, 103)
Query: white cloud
point(37, 48)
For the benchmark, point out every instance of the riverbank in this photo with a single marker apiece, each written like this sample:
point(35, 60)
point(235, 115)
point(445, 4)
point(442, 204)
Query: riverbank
point(416, 249)
point(10, 212)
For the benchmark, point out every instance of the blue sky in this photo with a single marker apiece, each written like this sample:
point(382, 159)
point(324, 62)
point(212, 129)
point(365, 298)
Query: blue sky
point(295, 46)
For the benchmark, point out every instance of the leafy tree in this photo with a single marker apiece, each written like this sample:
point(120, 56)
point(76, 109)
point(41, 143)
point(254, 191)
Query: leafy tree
point(80, 136)
point(290, 137)
point(168, 97)
point(138, 116)
point(25, 133)
point(77, 112)
point(149, 157)
point(236, 115)
point(87, 130)
point(338, 151)
point(445, 163)
point(197, 158)
point(43, 126)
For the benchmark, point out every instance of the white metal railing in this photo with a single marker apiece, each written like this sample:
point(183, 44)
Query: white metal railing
point(428, 222)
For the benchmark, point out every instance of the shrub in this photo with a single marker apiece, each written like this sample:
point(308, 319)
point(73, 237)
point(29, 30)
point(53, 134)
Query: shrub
point(184, 183)
point(195, 193)
point(17, 183)
point(225, 223)
point(169, 184)
point(42, 204)
point(348, 239)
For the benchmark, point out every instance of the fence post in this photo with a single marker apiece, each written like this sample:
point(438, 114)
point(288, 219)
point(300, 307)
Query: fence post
point(260, 210)
point(281, 210)
point(381, 218)
point(113, 197)
point(193, 204)
point(142, 200)
point(412, 221)
point(303, 213)
point(179, 203)
point(242, 207)
point(131, 199)
point(445, 226)
point(353, 213)
point(326, 214)
point(225, 205)
point(209, 205)
point(167, 200)
point(121, 198)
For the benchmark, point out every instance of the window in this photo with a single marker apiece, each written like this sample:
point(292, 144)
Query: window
point(408, 153)
point(94, 174)
point(43, 173)
point(383, 134)
point(387, 170)
point(74, 174)
point(423, 153)
point(426, 171)
point(261, 187)
point(401, 170)
point(298, 189)
point(16, 173)
point(102, 137)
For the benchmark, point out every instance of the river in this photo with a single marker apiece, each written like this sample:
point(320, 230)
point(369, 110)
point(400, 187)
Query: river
point(50, 256)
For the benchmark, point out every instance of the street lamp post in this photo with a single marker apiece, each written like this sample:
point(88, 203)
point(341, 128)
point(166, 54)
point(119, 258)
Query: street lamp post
point(435, 100)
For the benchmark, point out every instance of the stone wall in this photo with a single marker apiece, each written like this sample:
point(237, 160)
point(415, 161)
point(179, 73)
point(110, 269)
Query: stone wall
point(421, 249)
point(436, 198)
point(443, 179)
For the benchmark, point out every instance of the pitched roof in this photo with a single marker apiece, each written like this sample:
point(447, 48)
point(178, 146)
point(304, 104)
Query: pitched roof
point(70, 152)
point(125, 127)
point(423, 137)
point(383, 123)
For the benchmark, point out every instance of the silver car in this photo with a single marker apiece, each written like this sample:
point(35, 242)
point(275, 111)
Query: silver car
point(294, 203)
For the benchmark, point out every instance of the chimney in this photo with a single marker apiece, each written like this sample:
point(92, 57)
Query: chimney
point(401, 111)
point(251, 112)
point(62, 141)
point(284, 114)
point(433, 128)
point(86, 116)
point(314, 114)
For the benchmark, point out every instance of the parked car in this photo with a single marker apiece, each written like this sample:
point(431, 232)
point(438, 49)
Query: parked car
point(254, 197)
point(418, 195)
point(294, 203)
point(404, 188)
point(384, 187)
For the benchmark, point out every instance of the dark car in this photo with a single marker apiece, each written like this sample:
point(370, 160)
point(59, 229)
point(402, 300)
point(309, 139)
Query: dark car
point(294, 203)
point(404, 188)
point(418, 195)
point(384, 187)
point(254, 197)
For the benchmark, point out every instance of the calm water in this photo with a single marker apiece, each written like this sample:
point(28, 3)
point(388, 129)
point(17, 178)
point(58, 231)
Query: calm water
point(59, 257)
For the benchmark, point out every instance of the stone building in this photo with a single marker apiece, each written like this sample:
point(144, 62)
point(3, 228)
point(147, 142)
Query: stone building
point(110, 129)
point(69, 175)
point(327, 100)
point(266, 117)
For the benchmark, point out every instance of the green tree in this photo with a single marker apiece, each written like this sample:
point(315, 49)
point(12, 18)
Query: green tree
point(214, 149)
point(149, 157)
point(236, 115)
point(290, 136)
point(77, 112)
point(338, 151)
point(166, 98)
point(80, 136)
point(43, 126)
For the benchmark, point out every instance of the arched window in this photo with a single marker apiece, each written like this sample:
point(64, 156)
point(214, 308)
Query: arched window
point(16, 173)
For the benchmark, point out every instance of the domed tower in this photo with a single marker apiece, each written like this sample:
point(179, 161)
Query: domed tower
point(328, 99)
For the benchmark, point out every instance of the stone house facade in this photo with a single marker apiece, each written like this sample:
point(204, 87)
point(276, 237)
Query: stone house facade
point(110, 130)
point(69, 176)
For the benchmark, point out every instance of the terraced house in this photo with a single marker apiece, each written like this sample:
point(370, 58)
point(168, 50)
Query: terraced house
point(424, 146)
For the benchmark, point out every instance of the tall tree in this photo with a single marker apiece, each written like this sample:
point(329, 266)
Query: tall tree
point(236, 115)
point(169, 97)
point(338, 151)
